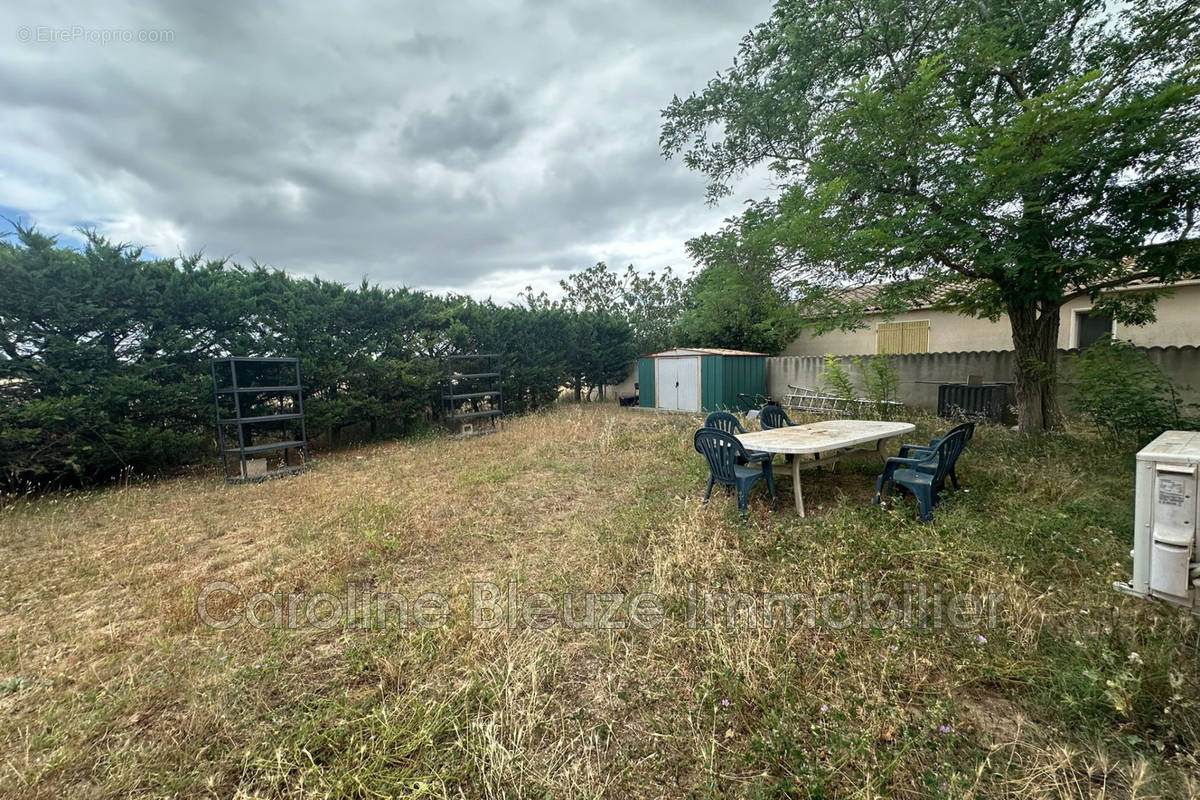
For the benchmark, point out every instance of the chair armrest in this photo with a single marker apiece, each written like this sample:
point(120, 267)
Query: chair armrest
point(907, 449)
point(758, 455)
point(889, 466)
point(904, 462)
point(740, 450)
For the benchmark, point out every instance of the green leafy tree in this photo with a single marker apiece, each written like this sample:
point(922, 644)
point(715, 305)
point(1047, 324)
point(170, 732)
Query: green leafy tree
point(605, 350)
point(650, 303)
point(533, 342)
point(735, 300)
point(104, 357)
point(596, 288)
point(653, 302)
point(1011, 154)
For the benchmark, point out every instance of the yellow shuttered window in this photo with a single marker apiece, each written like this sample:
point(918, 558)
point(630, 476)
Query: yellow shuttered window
point(903, 337)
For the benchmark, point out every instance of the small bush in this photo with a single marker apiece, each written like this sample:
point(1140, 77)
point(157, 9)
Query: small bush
point(836, 380)
point(880, 378)
point(1124, 394)
point(877, 374)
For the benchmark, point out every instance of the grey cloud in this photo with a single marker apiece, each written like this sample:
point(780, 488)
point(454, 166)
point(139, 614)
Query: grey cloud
point(470, 128)
point(453, 145)
point(424, 45)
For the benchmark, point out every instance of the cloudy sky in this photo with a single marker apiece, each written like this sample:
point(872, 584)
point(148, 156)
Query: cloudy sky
point(474, 147)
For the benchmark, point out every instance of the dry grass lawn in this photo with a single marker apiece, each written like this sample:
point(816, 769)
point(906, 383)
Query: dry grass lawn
point(111, 686)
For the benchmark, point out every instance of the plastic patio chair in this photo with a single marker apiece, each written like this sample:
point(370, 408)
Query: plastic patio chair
point(924, 476)
point(772, 417)
point(918, 450)
point(724, 421)
point(721, 450)
point(751, 402)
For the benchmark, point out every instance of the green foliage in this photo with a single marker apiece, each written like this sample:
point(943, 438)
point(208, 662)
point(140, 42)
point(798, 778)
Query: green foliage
point(1013, 155)
point(737, 306)
point(876, 374)
point(835, 379)
point(880, 378)
point(648, 303)
point(602, 350)
point(532, 342)
point(97, 374)
point(105, 356)
point(1125, 394)
point(732, 301)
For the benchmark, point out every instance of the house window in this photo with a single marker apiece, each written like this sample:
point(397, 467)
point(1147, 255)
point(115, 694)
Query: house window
point(902, 337)
point(1090, 326)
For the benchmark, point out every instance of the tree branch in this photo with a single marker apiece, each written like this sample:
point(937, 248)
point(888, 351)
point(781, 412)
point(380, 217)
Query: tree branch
point(944, 259)
point(1013, 84)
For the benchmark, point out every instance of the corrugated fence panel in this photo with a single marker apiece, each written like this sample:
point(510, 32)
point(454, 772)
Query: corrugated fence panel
point(960, 401)
point(921, 373)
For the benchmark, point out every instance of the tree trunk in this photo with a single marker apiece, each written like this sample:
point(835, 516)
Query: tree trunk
point(1035, 340)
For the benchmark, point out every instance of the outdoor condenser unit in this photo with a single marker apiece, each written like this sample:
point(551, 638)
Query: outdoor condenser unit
point(1166, 543)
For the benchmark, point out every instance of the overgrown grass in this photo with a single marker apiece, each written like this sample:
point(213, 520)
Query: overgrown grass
point(110, 685)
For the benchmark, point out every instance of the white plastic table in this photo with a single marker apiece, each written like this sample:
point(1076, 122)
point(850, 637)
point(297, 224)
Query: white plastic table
point(838, 437)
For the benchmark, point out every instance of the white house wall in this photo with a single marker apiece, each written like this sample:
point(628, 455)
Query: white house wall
point(1177, 324)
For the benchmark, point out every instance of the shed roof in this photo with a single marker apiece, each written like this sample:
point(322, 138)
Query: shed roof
point(702, 351)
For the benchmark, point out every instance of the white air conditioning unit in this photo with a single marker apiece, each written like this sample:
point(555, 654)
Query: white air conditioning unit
point(1166, 543)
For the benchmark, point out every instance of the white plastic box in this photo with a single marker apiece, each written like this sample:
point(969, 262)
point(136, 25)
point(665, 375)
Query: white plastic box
point(1166, 538)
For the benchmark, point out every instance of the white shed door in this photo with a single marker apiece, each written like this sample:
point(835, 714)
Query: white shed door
point(666, 384)
point(678, 382)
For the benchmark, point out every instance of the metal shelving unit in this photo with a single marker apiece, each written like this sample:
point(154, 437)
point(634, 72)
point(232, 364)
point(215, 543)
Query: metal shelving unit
point(471, 390)
point(260, 412)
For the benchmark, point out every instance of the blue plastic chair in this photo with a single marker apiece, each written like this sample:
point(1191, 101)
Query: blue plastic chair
point(918, 450)
point(724, 421)
point(722, 450)
point(924, 476)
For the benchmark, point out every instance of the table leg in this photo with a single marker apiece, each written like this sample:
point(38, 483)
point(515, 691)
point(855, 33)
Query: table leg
point(879, 448)
point(796, 486)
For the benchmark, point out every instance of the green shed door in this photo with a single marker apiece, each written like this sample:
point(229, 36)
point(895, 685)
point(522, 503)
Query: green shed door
point(646, 382)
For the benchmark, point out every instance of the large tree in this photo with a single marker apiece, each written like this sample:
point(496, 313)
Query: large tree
point(1006, 156)
point(734, 300)
point(649, 302)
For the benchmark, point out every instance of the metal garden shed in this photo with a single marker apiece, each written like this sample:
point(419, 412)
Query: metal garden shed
point(699, 378)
